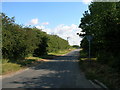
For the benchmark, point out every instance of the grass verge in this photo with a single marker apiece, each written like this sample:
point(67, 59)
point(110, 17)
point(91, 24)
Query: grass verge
point(55, 54)
point(9, 67)
point(61, 52)
point(103, 73)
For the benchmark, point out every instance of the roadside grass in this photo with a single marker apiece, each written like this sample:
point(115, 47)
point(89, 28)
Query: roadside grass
point(7, 67)
point(90, 58)
point(56, 54)
point(105, 74)
point(61, 52)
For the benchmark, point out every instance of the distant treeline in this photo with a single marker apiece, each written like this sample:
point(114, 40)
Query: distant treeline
point(19, 42)
point(102, 21)
point(76, 46)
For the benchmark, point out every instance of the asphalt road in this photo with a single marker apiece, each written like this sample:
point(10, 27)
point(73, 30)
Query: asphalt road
point(61, 72)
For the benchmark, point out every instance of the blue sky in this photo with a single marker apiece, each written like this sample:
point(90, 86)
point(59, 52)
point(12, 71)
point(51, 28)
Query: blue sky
point(53, 12)
point(60, 18)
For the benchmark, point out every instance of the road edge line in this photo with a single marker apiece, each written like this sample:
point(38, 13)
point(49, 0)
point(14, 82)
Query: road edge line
point(95, 85)
point(101, 84)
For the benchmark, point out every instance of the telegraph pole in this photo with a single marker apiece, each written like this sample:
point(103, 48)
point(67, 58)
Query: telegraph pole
point(89, 38)
point(68, 38)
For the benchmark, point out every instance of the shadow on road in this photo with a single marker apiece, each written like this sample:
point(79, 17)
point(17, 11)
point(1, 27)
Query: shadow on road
point(62, 72)
point(58, 74)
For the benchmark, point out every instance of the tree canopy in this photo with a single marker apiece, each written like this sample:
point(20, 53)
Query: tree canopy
point(102, 21)
point(20, 42)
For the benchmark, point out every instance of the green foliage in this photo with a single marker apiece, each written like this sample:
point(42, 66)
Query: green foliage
point(76, 46)
point(56, 43)
point(103, 22)
point(20, 42)
point(42, 47)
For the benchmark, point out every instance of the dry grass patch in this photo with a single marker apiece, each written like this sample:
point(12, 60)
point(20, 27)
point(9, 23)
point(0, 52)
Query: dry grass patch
point(61, 52)
point(93, 59)
point(9, 68)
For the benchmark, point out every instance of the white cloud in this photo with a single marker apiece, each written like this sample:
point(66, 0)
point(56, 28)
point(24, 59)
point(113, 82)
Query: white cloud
point(65, 31)
point(86, 1)
point(33, 22)
point(40, 27)
point(45, 23)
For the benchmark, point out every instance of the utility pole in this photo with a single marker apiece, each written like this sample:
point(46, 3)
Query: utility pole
point(89, 38)
point(89, 50)
point(68, 38)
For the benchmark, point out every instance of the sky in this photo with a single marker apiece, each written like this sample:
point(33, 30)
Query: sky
point(58, 18)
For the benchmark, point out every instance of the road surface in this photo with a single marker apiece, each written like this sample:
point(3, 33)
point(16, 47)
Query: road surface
point(61, 72)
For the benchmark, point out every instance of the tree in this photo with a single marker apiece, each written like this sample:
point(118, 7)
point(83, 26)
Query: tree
point(20, 42)
point(102, 20)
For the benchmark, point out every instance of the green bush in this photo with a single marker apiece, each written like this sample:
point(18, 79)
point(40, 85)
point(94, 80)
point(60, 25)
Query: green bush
point(55, 43)
point(20, 42)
